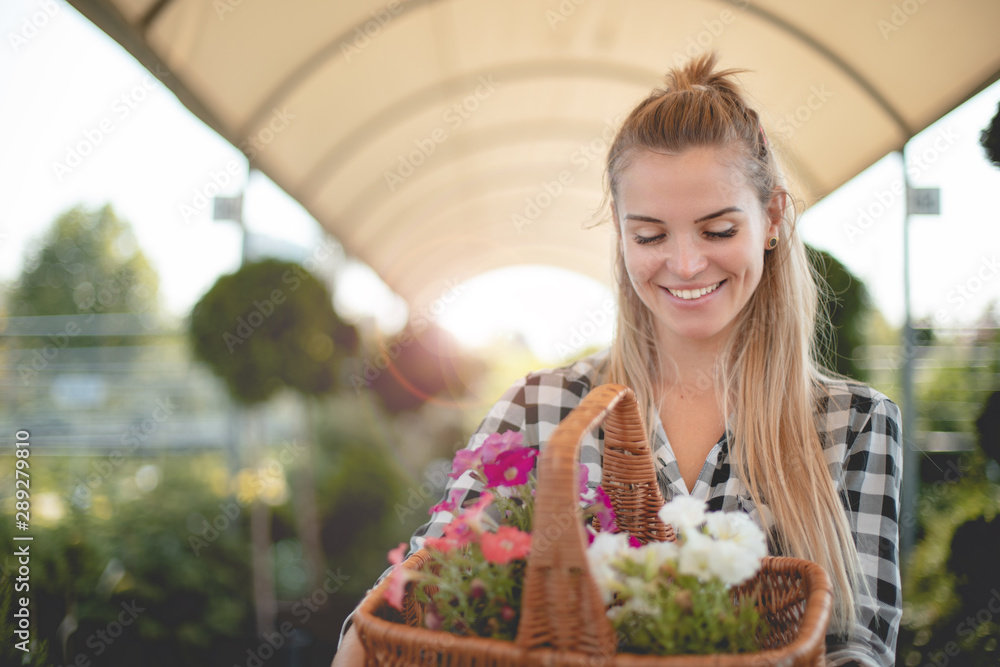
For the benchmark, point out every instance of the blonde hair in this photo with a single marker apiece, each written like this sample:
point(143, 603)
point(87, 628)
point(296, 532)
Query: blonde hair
point(769, 371)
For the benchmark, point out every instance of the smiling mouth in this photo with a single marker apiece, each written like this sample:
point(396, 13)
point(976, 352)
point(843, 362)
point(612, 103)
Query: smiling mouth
point(688, 294)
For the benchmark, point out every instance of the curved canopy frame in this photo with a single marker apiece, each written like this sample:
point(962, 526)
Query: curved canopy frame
point(437, 139)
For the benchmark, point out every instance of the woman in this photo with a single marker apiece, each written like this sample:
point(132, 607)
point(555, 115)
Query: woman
point(717, 310)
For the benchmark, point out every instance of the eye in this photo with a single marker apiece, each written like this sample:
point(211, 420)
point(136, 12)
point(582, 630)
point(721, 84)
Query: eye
point(728, 233)
point(643, 240)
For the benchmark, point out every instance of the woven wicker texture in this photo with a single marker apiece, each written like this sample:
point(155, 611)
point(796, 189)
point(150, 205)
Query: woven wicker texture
point(563, 621)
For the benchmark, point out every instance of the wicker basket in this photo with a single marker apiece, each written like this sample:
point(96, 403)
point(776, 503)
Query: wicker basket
point(563, 619)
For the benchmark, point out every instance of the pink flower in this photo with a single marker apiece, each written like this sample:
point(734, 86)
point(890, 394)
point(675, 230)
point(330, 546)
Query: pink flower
point(464, 460)
point(507, 544)
point(456, 534)
point(486, 454)
point(448, 505)
point(442, 544)
point(472, 517)
point(432, 620)
point(396, 589)
point(498, 443)
point(634, 542)
point(396, 555)
point(604, 512)
point(511, 468)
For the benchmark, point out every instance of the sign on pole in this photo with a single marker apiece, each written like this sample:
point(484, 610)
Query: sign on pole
point(229, 208)
point(923, 201)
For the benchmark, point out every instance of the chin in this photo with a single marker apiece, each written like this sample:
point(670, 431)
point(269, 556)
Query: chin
point(695, 333)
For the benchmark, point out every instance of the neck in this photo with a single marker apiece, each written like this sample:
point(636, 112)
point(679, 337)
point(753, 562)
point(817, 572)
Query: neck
point(689, 364)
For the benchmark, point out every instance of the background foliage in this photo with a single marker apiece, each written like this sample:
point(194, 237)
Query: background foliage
point(383, 412)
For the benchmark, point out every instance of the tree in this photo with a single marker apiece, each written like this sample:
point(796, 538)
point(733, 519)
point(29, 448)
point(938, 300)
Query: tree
point(847, 305)
point(87, 263)
point(270, 325)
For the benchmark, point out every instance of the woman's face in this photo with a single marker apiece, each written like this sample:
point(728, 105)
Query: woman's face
point(693, 234)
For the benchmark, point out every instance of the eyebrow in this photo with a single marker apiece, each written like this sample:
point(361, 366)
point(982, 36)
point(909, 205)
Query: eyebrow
point(712, 216)
point(704, 218)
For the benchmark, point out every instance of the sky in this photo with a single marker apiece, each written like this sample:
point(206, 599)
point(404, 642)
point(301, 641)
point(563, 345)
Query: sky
point(67, 89)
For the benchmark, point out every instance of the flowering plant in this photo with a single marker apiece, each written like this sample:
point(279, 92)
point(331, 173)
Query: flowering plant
point(663, 597)
point(471, 584)
point(676, 597)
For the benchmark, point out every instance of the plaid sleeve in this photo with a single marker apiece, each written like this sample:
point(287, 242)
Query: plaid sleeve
point(872, 476)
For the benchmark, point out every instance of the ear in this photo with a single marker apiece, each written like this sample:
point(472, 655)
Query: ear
point(775, 214)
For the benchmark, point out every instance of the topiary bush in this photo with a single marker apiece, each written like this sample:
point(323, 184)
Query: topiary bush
point(270, 325)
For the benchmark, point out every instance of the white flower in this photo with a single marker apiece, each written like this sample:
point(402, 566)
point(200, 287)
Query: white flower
point(637, 588)
point(684, 513)
point(608, 547)
point(696, 555)
point(738, 528)
point(602, 554)
point(640, 604)
point(732, 564)
point(653, 556)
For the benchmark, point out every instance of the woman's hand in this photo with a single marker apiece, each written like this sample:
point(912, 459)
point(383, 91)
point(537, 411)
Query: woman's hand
point(351, 653)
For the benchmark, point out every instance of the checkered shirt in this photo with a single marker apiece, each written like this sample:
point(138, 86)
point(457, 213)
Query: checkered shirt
point(860, 431)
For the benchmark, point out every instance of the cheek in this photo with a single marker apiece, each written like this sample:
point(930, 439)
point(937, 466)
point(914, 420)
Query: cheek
point(754, 268)
point(745, 260)
point(641, 264)
point(639, 273)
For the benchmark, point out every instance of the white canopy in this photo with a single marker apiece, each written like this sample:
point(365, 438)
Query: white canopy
point(438, 139)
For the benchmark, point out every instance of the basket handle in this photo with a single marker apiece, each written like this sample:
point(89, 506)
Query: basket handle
point(561, 607)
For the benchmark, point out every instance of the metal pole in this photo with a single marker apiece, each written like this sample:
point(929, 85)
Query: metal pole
point(911, 459)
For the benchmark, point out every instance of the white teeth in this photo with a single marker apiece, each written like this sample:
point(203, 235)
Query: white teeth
point(694, 294)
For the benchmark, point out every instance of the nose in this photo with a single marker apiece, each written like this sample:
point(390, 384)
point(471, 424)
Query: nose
point(686, 259)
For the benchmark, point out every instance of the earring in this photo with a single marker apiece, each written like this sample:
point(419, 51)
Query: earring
point(772, 243)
